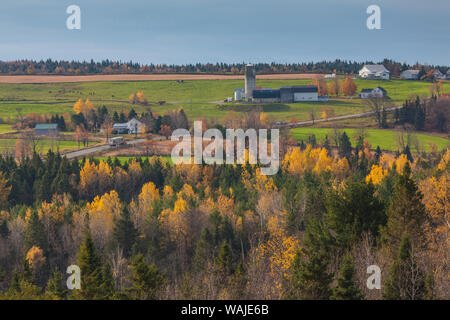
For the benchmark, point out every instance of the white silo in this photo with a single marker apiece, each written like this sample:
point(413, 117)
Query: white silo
point(250, 81)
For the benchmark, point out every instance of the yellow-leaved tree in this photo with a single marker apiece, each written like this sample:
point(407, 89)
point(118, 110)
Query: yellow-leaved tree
point(102, 214)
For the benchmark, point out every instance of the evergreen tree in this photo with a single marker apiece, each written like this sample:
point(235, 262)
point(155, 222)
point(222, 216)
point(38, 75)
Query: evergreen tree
point(125, 232)
point(91, 271)
point(405, 214)
point(147, 280)
point(224, 259)
point(310, 279)
point(132, 114)
point(116, 118)
point(346, 287)
point(406, 280)
point(345, 146)
point(203, 250)
point(353, 210)
point(55, 288)
point(35, 234)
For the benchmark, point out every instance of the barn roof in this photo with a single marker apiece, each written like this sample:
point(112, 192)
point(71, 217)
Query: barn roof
point(46, 126)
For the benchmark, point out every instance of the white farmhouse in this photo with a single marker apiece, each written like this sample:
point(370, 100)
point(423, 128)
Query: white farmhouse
point(131, 127)
point(438, 75)
point(378, 92)
point(374, 71)
point(410, 75)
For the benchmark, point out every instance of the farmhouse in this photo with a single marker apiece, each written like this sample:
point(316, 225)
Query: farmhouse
point(131, 127)
point(46, 129)
point(410, 75)
point(378, 92)
point(438, 75)
point(374, 71)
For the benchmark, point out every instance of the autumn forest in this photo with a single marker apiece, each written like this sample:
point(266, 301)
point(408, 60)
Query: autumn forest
point(147, 229)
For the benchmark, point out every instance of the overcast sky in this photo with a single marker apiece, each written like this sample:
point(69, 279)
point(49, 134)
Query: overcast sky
point(190, 31)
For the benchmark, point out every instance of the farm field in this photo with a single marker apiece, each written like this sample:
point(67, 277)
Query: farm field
point(199, 98)
point(386, 139)
point(5, 128)
point(43, 145)
point(125, 159)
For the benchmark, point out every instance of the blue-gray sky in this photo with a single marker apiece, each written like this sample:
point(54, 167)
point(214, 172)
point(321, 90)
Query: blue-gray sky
point(190, 31)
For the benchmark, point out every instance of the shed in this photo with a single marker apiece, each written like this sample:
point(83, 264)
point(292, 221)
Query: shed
point(46, 129)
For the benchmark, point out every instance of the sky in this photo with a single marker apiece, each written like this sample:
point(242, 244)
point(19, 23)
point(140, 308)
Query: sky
point(251, 31)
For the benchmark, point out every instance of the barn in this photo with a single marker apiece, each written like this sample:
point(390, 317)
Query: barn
point(46, 129)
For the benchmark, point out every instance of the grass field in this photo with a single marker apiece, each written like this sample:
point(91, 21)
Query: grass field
point(386, 139)
point(5, 128)
point(125, 159)
point(43, 145)
point(196, 96)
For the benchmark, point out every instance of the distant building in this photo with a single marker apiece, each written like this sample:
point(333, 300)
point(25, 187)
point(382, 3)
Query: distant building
point(410, 75)
point(266, 96)
point(374, 71)
point(239, 94)
point(299, 94)
point(131, 127)
point(438, 75)
point(378, 92)
point(286, 94)
point(448, 74)
point(46, 129)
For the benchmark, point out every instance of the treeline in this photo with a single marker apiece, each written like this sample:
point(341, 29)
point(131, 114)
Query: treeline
point(118, 67)
point(145, 229)
point(426, 114)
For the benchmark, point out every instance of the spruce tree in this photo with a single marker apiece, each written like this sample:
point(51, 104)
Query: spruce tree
point(55, 288)
point(310, 279)
point(352, 211)
point(147, 280)
point(345, 146)
point(35, 234)
point(125, 232)
point(346, 287)
point(91, 271)
point(405, 214)
point(406, 279)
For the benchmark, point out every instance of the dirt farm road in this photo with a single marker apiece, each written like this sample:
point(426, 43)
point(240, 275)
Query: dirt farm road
point(88, 151)
point(348, 116)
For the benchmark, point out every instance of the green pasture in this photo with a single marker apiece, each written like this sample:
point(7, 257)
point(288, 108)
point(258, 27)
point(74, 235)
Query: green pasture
point(386, 139)
point(42, 145)
point(199, 98)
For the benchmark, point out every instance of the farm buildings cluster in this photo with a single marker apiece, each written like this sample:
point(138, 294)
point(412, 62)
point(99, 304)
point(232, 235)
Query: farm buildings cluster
point(290, 94)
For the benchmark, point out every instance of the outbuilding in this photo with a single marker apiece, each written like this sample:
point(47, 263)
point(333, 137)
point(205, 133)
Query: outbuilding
point(46, 129)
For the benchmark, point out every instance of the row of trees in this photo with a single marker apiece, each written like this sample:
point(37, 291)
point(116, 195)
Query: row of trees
point(145, 229)
point(107, 67)
point(336, 87)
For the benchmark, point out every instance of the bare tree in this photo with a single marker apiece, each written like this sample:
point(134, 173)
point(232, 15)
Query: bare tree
point(312, 115)
point(107, 127)
point(378, 106)
point(32, 139)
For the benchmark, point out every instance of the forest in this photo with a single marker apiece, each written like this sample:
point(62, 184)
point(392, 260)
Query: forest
point(147, 229)
point(49, 66)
